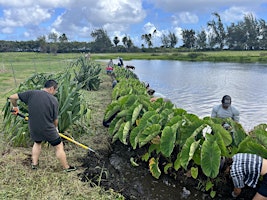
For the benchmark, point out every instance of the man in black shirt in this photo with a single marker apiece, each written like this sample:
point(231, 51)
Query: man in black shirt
point(43, 120)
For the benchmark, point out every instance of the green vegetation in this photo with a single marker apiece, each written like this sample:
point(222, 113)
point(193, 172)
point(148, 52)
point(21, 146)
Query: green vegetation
point(173, 140)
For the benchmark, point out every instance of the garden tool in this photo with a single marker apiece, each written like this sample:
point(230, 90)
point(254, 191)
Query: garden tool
point(61, 135)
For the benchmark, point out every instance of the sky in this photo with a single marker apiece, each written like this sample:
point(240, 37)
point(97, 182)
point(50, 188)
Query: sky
point(23, 20)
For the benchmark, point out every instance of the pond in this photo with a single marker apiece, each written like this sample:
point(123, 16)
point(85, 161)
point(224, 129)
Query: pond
point(198, 86)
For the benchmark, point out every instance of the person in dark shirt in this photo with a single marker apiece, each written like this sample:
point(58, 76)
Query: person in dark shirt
point(43, 121)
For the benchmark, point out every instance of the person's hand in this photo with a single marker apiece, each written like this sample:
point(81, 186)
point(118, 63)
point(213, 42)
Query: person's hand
point(57, 129)
point(15, 110)
point(234, 195)
point(153, 99)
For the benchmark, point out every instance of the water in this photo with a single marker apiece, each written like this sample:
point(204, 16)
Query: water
point(198, 86)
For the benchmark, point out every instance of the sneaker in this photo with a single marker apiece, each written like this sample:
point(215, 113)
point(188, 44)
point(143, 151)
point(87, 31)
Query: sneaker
point(35, 167)
point(70, 169)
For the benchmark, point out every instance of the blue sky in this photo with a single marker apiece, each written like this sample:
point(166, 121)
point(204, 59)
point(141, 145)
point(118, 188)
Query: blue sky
point(22, 20)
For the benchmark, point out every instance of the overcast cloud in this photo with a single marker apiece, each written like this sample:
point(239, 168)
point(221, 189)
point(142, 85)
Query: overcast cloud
point(29, 19)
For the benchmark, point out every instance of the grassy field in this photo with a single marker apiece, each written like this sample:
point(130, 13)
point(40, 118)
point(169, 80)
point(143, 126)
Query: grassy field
point(17, 180)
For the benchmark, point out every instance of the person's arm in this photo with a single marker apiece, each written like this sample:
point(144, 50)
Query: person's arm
point(13, 99)
point(235, 115)
point(214, 112)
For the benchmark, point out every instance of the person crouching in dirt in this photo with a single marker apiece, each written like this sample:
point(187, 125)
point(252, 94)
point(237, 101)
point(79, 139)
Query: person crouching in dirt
point(43, 121)
point(246, 169)
point(114, 80)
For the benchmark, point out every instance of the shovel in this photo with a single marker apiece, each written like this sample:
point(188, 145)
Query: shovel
point(62, 135)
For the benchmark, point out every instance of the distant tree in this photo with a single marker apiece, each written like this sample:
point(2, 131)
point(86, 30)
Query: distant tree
point(124, 41)
point(42, 44)
point(218, 32)
point(252, 32)
point(148, 38)
point(127, 42)
point(165, 40)
point(63, 38)
point(173, 39)
point(116, 41)
point(262, 34)
point(201, 40)
point(53, 48)
point(236, 37)
point(246, 34)
point(102, 42)
point(169, 40)
point(53, 37)
point(189, 38)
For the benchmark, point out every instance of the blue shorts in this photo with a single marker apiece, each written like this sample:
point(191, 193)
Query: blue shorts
point(263, 188)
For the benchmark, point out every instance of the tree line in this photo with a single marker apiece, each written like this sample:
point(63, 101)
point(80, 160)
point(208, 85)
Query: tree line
point(247, 34)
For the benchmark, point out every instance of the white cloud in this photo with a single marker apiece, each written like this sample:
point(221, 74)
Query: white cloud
point(23, 17)
point(188, 18)
point(234, 14)
point(116, 17)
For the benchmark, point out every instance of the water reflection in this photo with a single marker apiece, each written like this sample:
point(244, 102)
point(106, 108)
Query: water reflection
point(198, 86)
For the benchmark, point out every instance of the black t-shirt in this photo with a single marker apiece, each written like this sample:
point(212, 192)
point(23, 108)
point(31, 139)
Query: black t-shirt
point(43, 111)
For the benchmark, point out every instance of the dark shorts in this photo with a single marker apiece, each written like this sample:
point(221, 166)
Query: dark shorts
point(53, 142)
point(263, 188)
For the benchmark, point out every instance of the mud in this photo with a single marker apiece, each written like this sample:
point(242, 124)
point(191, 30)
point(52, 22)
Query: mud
point(112, 169)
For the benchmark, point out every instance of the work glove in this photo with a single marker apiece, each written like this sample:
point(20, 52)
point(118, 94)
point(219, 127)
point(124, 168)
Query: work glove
point(15, 110)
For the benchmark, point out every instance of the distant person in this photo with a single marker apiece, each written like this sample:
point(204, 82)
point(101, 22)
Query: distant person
point(246, 169)
point(110, 63)
point(110, 66)
point(87, 56)
point(225, 110)
point(114, 80)
point(120, 63)
point(43, 121)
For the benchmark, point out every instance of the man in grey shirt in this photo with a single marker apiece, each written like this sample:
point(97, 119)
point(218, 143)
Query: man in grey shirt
point(225, 110)
point(43, 120)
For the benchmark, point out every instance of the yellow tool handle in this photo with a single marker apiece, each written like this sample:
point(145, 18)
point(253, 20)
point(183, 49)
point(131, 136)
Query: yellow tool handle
point(60, 134)
point(71, 140)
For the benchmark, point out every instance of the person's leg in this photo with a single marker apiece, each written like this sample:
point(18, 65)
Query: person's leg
point(262, 192)
point(259, 197)
point(36, 151)
point(61, 155)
